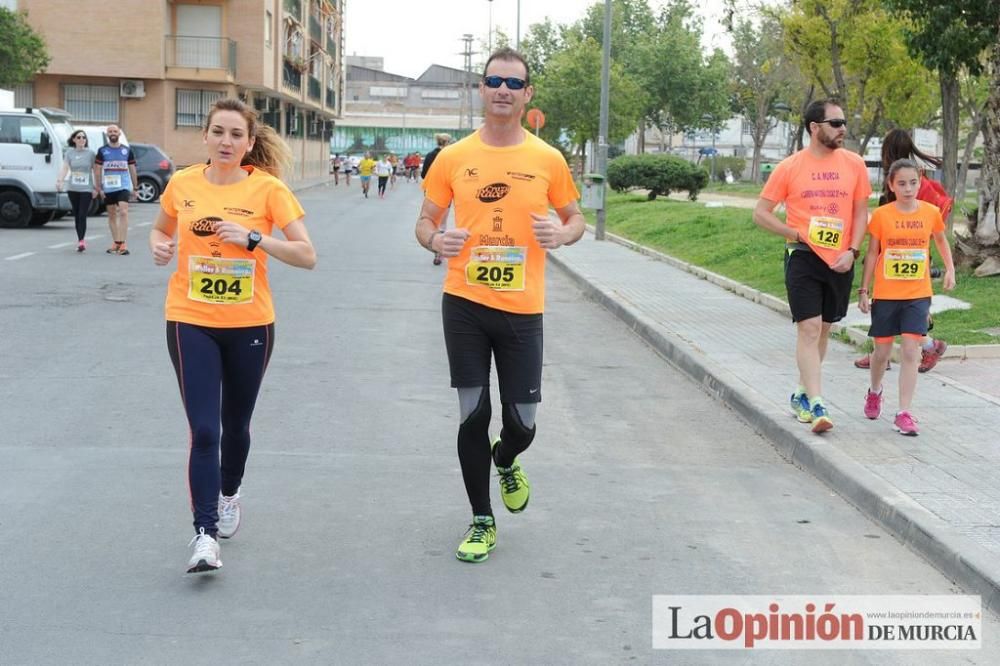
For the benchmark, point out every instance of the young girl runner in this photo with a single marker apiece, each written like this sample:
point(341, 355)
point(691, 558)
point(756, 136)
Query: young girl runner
point(899, 261)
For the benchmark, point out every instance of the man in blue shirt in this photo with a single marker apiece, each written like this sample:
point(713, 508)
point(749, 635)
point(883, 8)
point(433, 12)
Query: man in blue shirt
point(116, 180)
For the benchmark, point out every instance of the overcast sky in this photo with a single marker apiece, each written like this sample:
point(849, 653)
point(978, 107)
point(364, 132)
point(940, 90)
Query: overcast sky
point(411, 35)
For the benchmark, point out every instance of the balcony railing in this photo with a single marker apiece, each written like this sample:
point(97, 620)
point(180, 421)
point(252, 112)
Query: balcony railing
point(291, 76)
point(315, 89)
point(201, 53)
point(294, 7)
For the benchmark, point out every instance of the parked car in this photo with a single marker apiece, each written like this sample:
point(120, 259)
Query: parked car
point(154, 169)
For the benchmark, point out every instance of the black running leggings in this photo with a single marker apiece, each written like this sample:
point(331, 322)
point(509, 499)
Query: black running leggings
point(81, 206)
point(382, 180)
point(219, 371)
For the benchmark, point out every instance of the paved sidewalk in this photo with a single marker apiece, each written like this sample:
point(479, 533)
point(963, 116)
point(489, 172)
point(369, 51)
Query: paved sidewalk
point(936, 492)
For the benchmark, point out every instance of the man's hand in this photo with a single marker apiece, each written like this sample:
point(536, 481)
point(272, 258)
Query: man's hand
point(163, 252)
point(548, 231)
point(863, 303)
point(133, 196)
point(451, 243)
point(844, 262)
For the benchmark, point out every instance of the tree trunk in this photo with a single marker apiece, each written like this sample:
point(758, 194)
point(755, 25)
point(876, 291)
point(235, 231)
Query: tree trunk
point(967, 154)
point(985, 241)
point(642, 137)
point(949, 115)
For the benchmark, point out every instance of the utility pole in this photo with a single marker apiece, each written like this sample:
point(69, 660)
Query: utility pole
point(602, 138)
point(517, 39)
point(467, 88)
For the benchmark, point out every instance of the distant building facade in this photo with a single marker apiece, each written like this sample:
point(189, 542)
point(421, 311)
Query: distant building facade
point(163, 64)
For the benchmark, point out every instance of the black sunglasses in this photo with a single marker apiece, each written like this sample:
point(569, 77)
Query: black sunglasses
point(512, 82)
point(835, 123)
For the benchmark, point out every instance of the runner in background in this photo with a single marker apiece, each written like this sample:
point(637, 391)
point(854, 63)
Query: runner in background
point(79, 167)
point(116, 181)
point(441, 140)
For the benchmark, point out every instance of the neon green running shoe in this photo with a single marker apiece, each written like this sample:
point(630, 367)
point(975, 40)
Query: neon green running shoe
point(515, 491)
point(799, 403)
point(479, 540)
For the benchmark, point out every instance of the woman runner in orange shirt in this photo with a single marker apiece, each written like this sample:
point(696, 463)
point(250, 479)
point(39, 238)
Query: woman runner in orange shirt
point(217, 219)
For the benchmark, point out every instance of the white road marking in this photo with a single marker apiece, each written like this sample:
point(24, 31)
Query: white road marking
point(19, 256)
point(56, 247)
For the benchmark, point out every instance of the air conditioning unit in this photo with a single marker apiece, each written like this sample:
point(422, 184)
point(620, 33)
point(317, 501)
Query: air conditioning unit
point(132, 88)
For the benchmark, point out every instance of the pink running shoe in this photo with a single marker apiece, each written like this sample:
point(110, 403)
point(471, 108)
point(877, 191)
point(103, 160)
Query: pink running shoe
point(905, 424)
point(81, 246)
point(873, 404)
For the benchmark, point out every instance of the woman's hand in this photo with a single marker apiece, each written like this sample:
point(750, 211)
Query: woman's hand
point(232, 233)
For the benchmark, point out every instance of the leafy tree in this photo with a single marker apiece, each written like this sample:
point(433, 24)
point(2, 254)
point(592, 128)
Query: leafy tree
point(686, 89)
point(570, 89)
point(763, 79)
point(541, 42)
point(854, 50)
point(947, 39)
point(22, 50)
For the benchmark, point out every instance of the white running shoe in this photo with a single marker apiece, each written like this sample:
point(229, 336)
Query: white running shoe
point(206, 554)
point(229, 515)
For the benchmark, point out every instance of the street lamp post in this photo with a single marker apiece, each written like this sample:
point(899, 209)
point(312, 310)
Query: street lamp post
point(490, 36)
point(711, 119)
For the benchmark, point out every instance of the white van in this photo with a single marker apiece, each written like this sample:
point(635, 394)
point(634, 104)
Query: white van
point(32, 145)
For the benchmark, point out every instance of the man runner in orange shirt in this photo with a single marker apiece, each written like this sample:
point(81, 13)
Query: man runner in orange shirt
point(502, 181)
point(825, 190)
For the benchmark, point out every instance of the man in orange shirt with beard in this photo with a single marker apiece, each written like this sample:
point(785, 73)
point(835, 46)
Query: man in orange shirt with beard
point(825, 190)
point(502, 181)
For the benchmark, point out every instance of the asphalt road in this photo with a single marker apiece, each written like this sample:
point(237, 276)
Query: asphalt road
point(353, 500)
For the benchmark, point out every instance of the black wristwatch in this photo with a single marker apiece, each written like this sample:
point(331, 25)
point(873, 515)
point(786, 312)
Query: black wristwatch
point(857, 253)
point(253, 238)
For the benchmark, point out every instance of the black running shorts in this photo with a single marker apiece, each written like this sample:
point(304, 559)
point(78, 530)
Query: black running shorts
point(892, 318)
point(117, 197)
point(815, 289)
point(474, 332)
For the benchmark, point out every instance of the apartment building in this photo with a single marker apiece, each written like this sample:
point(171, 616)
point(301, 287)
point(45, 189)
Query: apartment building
point(156, 66)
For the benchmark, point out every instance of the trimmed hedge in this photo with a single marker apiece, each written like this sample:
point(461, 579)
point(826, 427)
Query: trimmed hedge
point(660, 174)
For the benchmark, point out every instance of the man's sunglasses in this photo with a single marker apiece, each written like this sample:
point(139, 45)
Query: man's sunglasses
point(512, 82)
point(835, 123)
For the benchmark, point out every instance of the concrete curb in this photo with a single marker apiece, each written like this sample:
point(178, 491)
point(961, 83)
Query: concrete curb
point(856, 337)
point(959, 558)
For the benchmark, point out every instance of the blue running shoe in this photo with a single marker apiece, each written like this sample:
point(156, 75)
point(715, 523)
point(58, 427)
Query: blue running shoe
point(821, 418)
point(799, 403)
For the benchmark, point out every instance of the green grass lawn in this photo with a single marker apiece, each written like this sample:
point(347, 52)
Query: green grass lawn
point(726, 241)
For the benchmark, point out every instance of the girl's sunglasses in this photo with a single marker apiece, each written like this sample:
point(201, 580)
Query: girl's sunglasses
point(512, 83)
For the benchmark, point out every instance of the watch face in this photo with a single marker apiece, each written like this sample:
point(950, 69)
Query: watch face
point(255, 236)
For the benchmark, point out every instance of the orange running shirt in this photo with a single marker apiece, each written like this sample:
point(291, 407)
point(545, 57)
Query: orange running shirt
point(903, 270)
point(219, 284)
point(495, 190)
point(819, 196)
